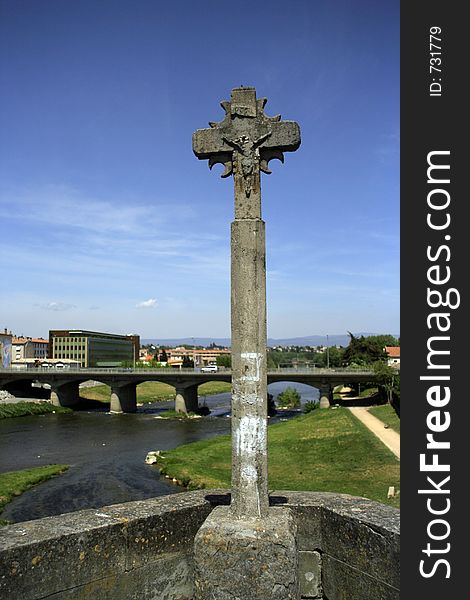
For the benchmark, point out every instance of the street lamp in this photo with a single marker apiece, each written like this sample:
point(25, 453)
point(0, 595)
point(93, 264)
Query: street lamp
point(327, 353)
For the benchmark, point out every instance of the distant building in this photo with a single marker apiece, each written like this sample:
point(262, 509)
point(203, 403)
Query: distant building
point(201, 357)
point(21, 348)
point(93, 348)
point(40, 347)
point(27, 347)
point(45, 363)
point(393, 356)
point(5, 349)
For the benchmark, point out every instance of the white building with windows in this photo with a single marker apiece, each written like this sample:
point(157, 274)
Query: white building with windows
point(27, 347)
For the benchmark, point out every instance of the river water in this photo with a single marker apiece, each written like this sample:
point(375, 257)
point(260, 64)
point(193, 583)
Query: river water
point(106, 453)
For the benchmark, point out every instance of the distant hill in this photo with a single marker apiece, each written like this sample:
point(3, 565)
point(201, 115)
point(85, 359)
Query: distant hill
point(193, 341)
point(308, 340)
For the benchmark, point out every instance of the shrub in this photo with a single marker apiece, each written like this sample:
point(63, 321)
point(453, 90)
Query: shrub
point(310, 405)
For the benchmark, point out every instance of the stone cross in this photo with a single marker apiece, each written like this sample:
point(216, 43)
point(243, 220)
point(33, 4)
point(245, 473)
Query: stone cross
point(244, 142)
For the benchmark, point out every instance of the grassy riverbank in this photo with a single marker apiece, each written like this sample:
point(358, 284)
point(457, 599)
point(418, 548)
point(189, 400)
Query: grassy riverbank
point(153, 391)
point(15, 483)
point(387, 415)
point(23, 409)
point(325, 450)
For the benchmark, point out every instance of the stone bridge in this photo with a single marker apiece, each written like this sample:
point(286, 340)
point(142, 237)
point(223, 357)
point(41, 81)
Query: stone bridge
point(65, 383)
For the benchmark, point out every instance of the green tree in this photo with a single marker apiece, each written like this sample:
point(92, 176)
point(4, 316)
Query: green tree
point(333, 357)
point(363, 351)
point(224, 360)
point(388, 379)
point(336, 356)
point(271, 360)
point(274, 359)
point(289, 398)
point(163, 356)
point(385, 340)
point(188, 363)
point(310, 405)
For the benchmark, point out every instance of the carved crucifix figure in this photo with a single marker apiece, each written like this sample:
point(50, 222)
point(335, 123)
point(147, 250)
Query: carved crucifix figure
point(247, 158)
point(244, 142)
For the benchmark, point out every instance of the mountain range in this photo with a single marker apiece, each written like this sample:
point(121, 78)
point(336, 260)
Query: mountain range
point(308, 340)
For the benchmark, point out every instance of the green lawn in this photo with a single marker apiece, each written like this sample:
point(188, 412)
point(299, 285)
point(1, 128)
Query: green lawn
point(368, 392)
point(22, 409)
point(154, 391)
point(325, 450)
point(15, 483)
point(387, 415)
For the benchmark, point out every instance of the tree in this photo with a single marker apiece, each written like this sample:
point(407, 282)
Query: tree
point(336, 356)
point(188, 363)
point(163, 356)
point(363, 351)
point(333, 357)
point(385, 340)
point(224, 360)
point(387, 379)
point(274, 358)
point(289, 398)
point(271, 362)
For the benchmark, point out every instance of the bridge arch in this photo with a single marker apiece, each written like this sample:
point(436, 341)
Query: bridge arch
point(324, 388)
point(20, 386)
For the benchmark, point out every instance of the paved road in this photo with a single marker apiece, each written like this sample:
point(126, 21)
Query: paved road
point(386, 435)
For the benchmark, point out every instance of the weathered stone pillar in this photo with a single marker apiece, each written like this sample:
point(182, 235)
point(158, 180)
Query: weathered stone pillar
point(249, 381)
point(123, 397)
point(247, 551)
point(325, 395)
point(186, 399)
point(65, 394)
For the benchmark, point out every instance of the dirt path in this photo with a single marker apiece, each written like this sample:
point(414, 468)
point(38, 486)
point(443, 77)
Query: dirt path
point(386, 435)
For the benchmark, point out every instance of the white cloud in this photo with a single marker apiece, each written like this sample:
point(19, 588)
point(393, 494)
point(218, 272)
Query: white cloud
point(103, 236)
point(63, 206)
point(150, 303)
point(56, 306)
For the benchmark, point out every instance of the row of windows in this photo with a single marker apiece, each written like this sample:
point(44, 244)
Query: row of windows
point(67, 348)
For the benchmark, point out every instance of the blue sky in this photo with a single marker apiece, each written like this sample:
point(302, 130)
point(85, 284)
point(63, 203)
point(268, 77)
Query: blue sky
point(108, 221)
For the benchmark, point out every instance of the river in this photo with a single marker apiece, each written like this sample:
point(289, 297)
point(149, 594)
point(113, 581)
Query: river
point(106, 453)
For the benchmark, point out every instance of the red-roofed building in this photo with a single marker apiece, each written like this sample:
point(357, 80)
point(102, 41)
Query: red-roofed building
point(393, 354)
point(40, 347)
point(27, 347)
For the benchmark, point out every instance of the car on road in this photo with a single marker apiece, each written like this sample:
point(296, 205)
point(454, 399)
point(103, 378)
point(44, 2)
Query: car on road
point(209, 369)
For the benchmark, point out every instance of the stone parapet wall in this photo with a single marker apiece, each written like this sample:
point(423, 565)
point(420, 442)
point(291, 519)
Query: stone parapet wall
point(136, 550)
point(348, 548)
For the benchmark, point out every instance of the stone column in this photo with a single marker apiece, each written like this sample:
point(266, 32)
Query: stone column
point(65, 394)
point(186, 399)
point(325, 395)
point(123, 397)
point(249, 383)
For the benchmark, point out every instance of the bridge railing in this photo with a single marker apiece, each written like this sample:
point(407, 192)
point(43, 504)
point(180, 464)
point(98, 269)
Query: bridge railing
point(320, 371)
point(170, 371)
